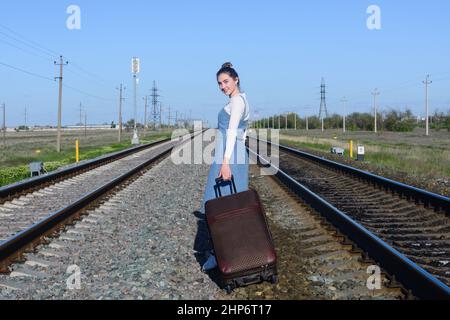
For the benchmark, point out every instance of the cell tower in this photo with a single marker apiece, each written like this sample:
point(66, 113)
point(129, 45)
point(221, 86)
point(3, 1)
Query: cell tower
point(156, 110)
point(323, 101)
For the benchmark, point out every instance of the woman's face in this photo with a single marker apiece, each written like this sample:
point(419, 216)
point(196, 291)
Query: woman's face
point(227, 84)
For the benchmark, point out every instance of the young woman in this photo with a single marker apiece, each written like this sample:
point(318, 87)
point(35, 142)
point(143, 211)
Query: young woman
point(231, 157)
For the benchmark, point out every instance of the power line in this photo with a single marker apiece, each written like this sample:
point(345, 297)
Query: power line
point(26, 44)
point(92, 75)
point(86, 77)
point(25, 50)
point(53, 80)
point(36, 46)
point(49, 52)
point(86, 93)
point(27, 72)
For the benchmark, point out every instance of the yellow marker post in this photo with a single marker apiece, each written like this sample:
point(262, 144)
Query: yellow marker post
point(351, 149)
point(77, 153)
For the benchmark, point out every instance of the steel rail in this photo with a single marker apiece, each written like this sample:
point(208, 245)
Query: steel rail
point(422, 284)
point(20, 187)
point(24, 239)
point(422, 196)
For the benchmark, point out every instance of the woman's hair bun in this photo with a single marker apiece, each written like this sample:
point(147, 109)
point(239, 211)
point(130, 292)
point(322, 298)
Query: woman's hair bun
point(227, 65)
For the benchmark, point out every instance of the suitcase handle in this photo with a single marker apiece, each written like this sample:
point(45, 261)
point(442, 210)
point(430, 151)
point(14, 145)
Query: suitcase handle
point(219, 181)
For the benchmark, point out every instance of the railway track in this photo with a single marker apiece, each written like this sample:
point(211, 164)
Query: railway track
point(316, 262)
point(29, 215)
point(397, 225)
point(331, 247)
point(16, 190)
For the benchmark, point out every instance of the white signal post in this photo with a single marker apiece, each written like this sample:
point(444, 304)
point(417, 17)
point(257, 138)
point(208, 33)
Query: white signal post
point(135, 69)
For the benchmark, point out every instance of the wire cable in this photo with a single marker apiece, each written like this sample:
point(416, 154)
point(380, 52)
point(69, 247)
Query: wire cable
point(27, 72)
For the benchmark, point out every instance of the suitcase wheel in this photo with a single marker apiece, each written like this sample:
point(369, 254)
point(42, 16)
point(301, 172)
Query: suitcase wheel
point(229, 289)
point(274, 279)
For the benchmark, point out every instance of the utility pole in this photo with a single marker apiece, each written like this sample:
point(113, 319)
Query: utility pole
point(287, 114)
point(344, 101)
point(190, 117)
point(61, 64)
point(81, 121)
point(85, 124)
point(25, 118)
point(169, 119)
point(145, 112)
point(4, 125)
point(375, 93)
point(427, 82)
point(176, 119)
point(295, 121)
point(307, 116)
point(121, 89)
point(160, 115)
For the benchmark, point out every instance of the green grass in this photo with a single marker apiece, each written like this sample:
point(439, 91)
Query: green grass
point(326, 147)
point(417, 160)
point(15, 168)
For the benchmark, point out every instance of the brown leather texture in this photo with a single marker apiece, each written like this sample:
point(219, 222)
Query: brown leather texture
point(240, 234)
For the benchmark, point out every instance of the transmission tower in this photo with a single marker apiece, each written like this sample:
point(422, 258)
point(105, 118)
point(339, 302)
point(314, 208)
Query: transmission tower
point(323, 102)
point(156, 110)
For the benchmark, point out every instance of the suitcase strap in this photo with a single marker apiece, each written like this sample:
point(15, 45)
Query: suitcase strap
point(219, 182)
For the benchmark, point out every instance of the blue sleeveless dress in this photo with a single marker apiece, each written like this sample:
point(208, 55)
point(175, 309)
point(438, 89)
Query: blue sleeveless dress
point(239, 163)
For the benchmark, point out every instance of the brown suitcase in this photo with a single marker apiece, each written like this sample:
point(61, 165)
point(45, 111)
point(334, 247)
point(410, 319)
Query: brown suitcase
point(241, 238)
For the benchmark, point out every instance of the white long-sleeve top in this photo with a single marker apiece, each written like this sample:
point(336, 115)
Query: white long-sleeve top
point(238, 110)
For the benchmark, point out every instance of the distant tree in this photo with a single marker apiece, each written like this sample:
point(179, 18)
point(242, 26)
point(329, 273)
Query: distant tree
point(400, 121)
point(335, 121)
point(314, 123)
point(360, 121)
point(440, 121)
point(22, 128)
point(129, 125)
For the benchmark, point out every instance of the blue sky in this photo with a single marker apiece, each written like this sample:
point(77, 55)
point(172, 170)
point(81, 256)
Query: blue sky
point(281, 49)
